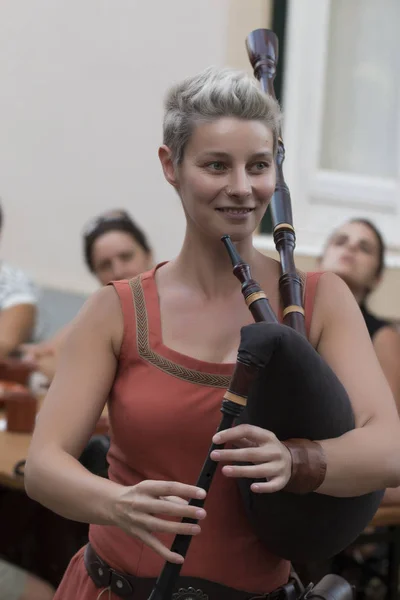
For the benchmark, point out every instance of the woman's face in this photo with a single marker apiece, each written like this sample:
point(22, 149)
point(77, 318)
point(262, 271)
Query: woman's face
point(226, 178)
point(117, 255)
point(353, 254)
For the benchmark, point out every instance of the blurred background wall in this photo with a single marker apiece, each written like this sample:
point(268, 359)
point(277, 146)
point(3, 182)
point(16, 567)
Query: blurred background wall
point(81, 106)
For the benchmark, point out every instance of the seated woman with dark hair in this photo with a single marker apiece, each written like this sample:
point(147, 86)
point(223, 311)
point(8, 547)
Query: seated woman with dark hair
point(356, 252)
point(114, 248)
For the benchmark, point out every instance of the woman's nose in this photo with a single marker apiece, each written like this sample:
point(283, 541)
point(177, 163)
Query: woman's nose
point(352, 246)
point(239, 185)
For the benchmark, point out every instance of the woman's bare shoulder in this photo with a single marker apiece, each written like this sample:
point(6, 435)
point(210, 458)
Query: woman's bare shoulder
point(101, 315)
point(334, 303)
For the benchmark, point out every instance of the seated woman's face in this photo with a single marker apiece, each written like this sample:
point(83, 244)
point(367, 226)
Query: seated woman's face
point(353, 254)
point(117, 255)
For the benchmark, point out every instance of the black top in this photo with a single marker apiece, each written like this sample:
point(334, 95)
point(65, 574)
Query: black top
point(373, 323)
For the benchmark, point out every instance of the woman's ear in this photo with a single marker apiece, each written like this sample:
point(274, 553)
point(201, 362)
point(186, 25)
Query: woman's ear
point(168, 167)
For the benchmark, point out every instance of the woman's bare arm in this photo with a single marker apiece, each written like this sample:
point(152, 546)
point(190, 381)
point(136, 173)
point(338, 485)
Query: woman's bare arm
point(53, 475)
point(387, 347)
point(368, 457)
point(73, 405)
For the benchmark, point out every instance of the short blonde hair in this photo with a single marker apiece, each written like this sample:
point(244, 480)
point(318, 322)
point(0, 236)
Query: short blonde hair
point(212, 94)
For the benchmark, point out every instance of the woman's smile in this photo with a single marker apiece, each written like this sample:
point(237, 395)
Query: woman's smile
point(235, 213)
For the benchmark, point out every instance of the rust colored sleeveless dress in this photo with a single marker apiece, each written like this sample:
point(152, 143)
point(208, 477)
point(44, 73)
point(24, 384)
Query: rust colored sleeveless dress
point(164, 409)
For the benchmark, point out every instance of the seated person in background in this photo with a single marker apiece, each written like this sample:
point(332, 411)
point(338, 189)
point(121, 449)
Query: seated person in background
point(18, 301)
point(17, 584)
point(114, 248)
point(356, 252)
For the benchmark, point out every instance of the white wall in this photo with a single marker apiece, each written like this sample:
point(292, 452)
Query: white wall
point(82, 83)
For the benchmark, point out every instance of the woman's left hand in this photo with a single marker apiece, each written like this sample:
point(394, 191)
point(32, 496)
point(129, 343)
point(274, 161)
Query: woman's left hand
point(271, 460)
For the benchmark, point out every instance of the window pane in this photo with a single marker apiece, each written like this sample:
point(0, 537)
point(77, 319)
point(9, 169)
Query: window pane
point(360, 118)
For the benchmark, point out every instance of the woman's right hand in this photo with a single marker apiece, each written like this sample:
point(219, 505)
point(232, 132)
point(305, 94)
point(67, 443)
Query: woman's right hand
point(139, 510)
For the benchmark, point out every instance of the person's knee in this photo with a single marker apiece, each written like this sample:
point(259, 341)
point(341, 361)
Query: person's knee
point(37, 589)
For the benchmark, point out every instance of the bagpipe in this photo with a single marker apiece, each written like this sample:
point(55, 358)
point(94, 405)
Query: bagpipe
point(280, 383)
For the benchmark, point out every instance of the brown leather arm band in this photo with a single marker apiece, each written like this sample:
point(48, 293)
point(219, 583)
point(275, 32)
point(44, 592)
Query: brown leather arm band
point(308, 466)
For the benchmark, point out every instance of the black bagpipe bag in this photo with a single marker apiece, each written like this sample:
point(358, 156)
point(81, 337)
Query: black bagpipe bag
point(297, 395)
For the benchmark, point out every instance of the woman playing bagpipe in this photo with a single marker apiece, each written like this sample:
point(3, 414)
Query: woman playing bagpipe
point(163, 348)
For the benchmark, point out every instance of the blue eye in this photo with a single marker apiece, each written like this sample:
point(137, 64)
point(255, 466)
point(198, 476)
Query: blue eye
point(260, 166)
point(216, 166)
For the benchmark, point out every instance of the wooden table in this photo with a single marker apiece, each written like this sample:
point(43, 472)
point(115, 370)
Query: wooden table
point(13, 447)
point(32, 536)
